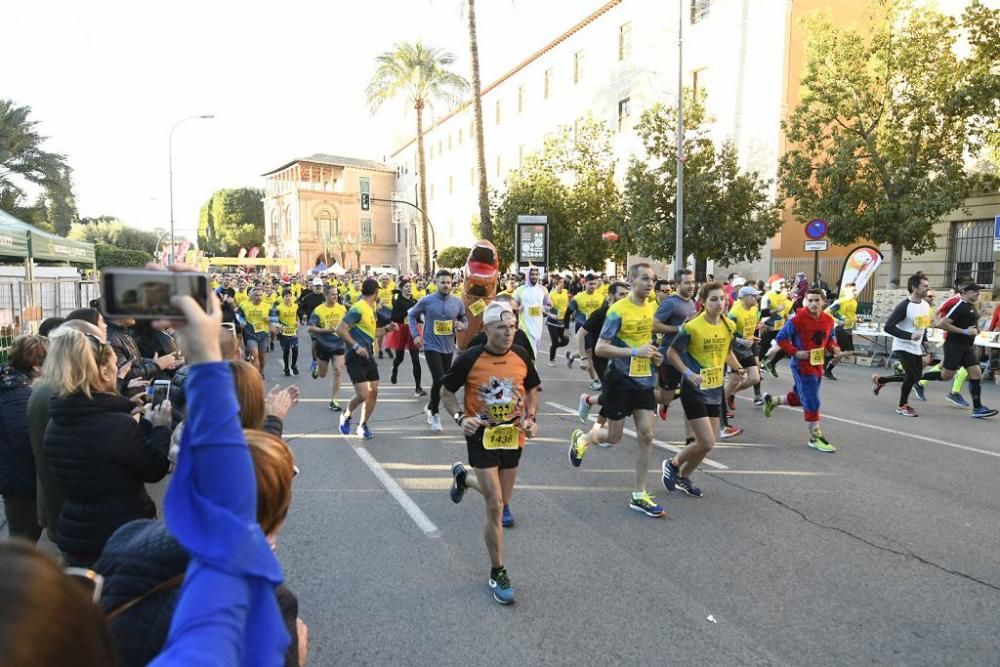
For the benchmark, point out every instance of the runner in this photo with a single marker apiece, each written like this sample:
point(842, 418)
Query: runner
point(746, 316)
point(359, 329)
point(443, 315)
point(385, 294)
point(626, 340)
point(533, 301)
point(700, 352)
point(579, 309)
point(805, 338)
point(554, 319)
point(592, 328)
point(908, 325)
point(327, 345)
point(845, 311)
point(287, 313)
point(307, 302)
point(961, 323)
point(500, 400)
point(961, 375)
point(672, 312)
point(255, 317)
point(400, 341)
point(774, 307)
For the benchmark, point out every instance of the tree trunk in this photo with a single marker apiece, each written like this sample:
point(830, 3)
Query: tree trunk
point(485, 222)
point(422, 180)
point(896, 265)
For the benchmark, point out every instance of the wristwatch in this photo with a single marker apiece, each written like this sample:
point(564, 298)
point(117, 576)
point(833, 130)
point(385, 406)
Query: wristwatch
point(458, 417)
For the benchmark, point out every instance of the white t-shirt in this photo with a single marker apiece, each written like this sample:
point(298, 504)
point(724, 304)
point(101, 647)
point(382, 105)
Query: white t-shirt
point(919, 317)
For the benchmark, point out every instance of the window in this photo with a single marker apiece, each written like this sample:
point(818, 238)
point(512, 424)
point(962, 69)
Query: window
point(323, 223)
point(971, 252)
point(547, 87)
point(365, 184)
point(699, 10)
point(520, 99)
point(498, 111)
point(288, 223)
point(698, 81)
point(366, 231)
point(274, 225)
point(624, 111)
point(625, 41)
point(577, 66)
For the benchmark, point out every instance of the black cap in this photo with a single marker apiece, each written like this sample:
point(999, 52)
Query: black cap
point(969, 287)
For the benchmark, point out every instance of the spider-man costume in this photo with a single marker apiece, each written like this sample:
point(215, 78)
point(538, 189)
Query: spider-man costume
point(804, 331)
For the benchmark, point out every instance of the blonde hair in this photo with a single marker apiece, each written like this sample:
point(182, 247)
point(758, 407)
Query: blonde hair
point(73, 364)
point(249, 393)
point(274, 467)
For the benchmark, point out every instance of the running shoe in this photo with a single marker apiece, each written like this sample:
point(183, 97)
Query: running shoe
point(730, 432)
point(418, 392)
point(500, 586)
point(394, 375)
point(684, 484)
point(876, 385)
point(569, 359)
point(768, 405)
point(272, 346)
point(507, 521)
point(596, 385)
point(364, 432)
point(828, 374)
point(288, 373)
point(380, 355)
point(729, 413)
point(551, 363)
point(430, 416)
point(335, 406)
point(918, 389)
point(820, 444)
point(670, 474)
point(957, 400)
point(577, 449)
point(906, 411)
point(758, 401)
point(661, 412)
point(314, 369)
point(604, 445)
point(436, 424)
point(458, 487)
point(771, 368)
point(583, 409)
point(345, 424)
point(641, 501)
point(897, 369)
point(295, 370)
point(983, 411)
point(731, 403)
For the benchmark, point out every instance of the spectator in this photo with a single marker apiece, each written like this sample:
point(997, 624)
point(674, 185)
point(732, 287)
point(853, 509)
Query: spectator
point(130, 358)
point(48, 324)
point(93, 447)
point(91, 316)
point(17, 465)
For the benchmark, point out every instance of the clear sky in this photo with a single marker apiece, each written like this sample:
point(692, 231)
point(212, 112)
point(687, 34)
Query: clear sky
point(108, 78)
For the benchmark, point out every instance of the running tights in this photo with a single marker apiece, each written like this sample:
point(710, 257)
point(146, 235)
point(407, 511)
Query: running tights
point(438, 363)
point(913, 365)
point(559, 339)
point(414, 359)
point(295, 355)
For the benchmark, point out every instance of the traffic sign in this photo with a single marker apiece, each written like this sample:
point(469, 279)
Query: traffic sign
point(366, 201)
point(816, 246)
point(996, 234)
point(816, 229)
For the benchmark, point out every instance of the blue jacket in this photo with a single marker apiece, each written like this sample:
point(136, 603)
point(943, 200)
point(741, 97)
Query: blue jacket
point(436, 307)
point(17, 463)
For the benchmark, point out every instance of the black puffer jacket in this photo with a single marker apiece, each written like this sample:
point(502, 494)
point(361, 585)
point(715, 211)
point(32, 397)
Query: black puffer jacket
point(17, 464)
point(127, 349)
point(102, 458)
point(140, 556)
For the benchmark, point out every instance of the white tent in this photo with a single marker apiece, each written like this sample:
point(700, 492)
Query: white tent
point(335, 269)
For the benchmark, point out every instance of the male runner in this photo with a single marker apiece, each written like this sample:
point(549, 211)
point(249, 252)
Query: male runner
point(672, 312)
point(498, 412)
point(907, 325)
point(359, 329)
point(806, 338)
point(627, 340)
point(307, 302)
point(287, 314)
point(327, 345)
point(579, 309)
point(554, 319)
point(592, 329)
point(746, 316)
point(845, 311)
point(255, 317)
point(700, 352)
point(774, 308)
point(385, 294)
point(533, 301)
point(443, 315)
point(961, 322)
point(961, 375)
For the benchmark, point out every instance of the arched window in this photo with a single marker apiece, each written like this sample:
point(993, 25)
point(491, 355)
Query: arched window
point(325, 222)
point(288, 223)
point(274, 224)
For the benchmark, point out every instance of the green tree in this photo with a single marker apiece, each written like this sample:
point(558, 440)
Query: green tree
point(453, 257)
point(729, 214)
point(887, 119)
point(61, 204)
point(111, 231)
point(485, 221)
point(109, 255)
point(420, 76)
point(23, 162)
point(231, 219)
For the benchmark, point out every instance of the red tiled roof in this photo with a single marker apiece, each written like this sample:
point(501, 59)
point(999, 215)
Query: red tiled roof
point(520, 66)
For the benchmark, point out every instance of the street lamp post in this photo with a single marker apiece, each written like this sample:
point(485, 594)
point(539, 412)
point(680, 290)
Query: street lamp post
point(679, 262)
point(170, 166)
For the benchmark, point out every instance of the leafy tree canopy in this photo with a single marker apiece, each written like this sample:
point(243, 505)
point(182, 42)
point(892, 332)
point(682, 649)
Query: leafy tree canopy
point(111, 231)
point(453, 257)
point(231, 219)
point(109, 255)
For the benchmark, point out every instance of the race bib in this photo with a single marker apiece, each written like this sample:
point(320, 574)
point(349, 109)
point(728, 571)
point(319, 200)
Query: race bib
point(817, 356)
point(638, 367)
point(477, 308)
point(922, 321)
point(289, 331)
point(443, 327)
point(534, 311)
point(711, 378)
point(850, 322)
point(501, 437)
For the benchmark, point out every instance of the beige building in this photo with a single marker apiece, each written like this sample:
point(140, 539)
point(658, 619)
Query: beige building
point(312, 212)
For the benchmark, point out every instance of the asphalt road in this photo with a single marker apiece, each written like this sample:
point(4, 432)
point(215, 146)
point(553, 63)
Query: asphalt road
point(887, 552)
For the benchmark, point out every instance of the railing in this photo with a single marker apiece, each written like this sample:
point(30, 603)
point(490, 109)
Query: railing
point(829, 267)
point(51, 297)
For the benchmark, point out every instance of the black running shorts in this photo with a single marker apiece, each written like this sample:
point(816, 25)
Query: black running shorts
point(324, 353)
point(845, 339)
point(959, 355)
point(361, 370)
point(668, 376)
point(479, 457)
point(622, 397)
point(696, 408)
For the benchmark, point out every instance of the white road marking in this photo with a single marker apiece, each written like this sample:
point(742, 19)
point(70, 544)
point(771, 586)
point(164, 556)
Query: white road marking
point(893, 431)
point(656, 443)
point(381, 400)
point(410, 507)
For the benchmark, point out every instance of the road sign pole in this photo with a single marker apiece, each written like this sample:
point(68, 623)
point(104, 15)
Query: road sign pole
point(816, 268)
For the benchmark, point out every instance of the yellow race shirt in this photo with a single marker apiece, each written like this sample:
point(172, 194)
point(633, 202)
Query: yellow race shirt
point(418, 294)
point(779, 300)
point(361, 319)
point(560, 301)
point(586, 304)
point(432, 288)
point(296, 290)
point(845, 311)
point(240, 297)
point(704, 347)
point(385, 296)
point(629, 325)
point(257, 315)
point(288, 318)
point(746, 320)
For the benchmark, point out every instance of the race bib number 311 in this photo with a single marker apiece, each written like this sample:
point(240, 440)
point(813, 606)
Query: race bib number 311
point(501, 437)
point(638, 367)
point(711, 378)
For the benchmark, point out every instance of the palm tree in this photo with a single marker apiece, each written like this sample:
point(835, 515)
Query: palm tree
point(21, 155)
point(485, 222)
point(419, 74)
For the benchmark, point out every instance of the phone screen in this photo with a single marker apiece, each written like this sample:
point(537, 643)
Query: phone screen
point(145, 294)
point(161, 389)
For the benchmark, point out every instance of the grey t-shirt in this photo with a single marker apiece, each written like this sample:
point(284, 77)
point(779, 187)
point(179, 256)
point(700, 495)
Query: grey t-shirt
point(673, 311)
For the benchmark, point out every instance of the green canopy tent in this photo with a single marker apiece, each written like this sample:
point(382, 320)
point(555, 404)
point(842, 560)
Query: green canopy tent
point(42, 245)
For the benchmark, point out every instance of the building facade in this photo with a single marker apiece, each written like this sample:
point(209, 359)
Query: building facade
point(313, 212)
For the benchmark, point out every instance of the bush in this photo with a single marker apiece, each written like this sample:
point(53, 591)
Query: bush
point(453, 257)
point(109, 255)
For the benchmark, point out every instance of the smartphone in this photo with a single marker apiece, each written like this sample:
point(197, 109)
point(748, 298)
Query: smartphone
point(144, 294)
point(161, 390)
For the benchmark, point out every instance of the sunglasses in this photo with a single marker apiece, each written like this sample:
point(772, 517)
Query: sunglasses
point(91, 581)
